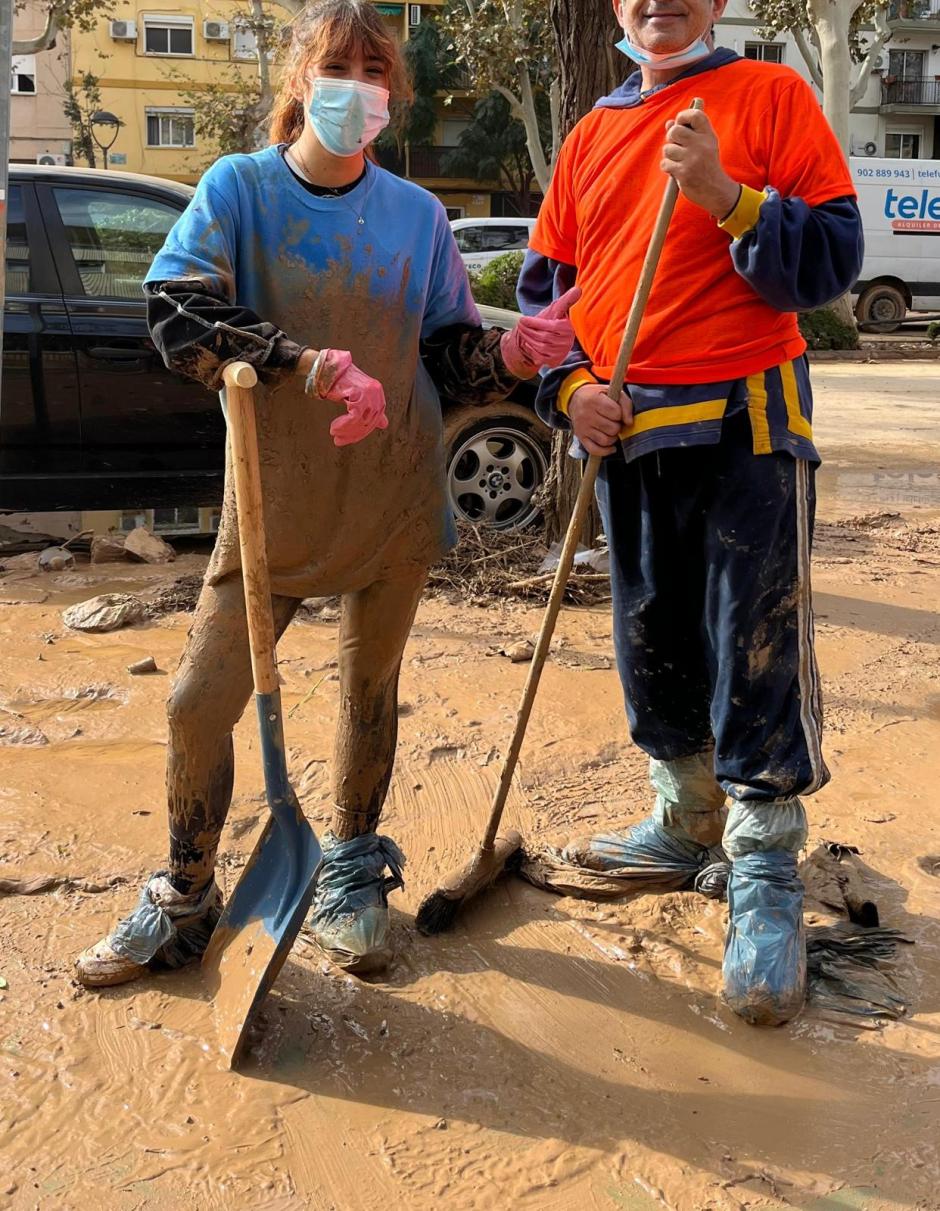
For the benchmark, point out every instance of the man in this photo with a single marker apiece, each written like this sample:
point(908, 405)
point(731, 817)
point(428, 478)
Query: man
point(706, 488)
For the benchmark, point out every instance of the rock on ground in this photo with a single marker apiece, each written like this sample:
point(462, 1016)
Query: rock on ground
point(107, 548)
point(140, 544)
point(107, 612)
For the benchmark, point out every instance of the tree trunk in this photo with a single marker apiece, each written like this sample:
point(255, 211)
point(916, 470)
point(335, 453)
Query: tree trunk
point(831, 20)
point(590, 67)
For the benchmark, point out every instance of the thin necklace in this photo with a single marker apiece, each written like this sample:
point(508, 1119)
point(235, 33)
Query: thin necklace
point(333, 191)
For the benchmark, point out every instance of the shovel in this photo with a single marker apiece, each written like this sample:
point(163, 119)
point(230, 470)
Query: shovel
point(438, 911)
point(264, 913)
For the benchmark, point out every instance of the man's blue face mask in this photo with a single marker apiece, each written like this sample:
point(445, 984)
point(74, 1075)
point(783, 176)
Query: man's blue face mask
point(692, 53)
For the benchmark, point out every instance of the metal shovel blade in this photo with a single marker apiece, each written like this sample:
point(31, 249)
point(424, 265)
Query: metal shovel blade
point(264, 913)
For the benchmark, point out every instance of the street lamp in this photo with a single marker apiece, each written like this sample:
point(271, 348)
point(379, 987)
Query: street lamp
point(108, 121)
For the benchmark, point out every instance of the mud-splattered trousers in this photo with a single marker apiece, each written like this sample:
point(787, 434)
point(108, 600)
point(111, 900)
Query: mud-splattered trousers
point(713, 627)
point(213, 686)
point(257, 256)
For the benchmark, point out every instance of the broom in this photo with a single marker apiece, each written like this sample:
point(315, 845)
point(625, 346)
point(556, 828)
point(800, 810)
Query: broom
point(439, 910)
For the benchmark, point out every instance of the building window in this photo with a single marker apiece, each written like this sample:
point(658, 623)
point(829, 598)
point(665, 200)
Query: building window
point(168, 35)
point(170, 128)
point(902, 145)
point(907, 64)
point(24, 74)
point(766, 52)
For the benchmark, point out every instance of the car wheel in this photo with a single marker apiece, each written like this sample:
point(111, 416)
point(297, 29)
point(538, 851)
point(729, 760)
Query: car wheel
point(496, 459)
point(881, 308)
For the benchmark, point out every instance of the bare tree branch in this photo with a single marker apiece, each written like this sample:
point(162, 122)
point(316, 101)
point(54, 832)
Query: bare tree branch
point(882, 34)
point(810, 57)
point(44, 41)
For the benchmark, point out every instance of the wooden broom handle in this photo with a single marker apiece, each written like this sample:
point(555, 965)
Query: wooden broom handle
point(240, 379)
point(582, 504)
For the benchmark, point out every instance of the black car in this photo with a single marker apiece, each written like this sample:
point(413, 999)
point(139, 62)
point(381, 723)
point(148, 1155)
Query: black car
point(90, 418)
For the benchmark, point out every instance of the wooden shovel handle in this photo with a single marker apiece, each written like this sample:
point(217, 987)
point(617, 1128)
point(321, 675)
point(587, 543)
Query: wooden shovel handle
point(581, 505)
point(239, 379)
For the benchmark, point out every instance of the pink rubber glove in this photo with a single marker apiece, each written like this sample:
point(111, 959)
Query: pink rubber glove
point(339, 380)
point(540, 340)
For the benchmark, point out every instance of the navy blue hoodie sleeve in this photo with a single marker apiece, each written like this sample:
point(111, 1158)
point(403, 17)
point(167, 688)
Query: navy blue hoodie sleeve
point(799, 257)
point(541, 281)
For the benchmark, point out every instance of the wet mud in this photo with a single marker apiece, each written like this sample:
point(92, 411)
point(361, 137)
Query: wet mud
point(549, 1053)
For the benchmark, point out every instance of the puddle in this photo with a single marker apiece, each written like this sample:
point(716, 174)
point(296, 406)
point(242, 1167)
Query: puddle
point(38, 709)
point(882, 486)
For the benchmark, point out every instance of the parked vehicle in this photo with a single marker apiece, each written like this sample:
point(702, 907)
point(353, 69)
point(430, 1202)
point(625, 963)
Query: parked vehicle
point(482, 240)
point(90, 418)
point(900, 205)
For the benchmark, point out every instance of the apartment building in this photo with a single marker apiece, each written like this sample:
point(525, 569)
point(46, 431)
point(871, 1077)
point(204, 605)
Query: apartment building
point(899, 115)
point(38, 126)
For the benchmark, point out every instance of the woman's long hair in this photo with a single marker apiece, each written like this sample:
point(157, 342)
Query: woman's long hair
point(328, 28)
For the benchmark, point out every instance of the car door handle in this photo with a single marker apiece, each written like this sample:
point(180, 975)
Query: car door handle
point(117, 354)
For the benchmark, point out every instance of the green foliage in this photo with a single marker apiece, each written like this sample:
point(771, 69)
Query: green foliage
point(933, 330)
point(498, 38)
point(80, 103)
point(508, 46)
point(823, 329)
point(225, 113)
point(493, 148)
point(780, 16)
point(82, 14)
point(430, 61)
point(495, 284)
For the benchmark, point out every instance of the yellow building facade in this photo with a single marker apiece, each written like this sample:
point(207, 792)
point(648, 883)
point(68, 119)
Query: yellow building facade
point(153, 60)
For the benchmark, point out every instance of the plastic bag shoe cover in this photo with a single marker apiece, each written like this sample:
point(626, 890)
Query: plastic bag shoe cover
point(167, 929)
point(765, 950)
point(765, 826)
point(349, 915)
point(654, 859)
point(689, 802)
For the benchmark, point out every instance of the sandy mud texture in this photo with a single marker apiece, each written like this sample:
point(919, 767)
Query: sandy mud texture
point(550, 1053)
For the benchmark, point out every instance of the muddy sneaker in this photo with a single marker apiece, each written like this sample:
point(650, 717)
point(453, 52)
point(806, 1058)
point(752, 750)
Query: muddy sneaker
point(167, 929)
point(349, 915)
point(765, 951)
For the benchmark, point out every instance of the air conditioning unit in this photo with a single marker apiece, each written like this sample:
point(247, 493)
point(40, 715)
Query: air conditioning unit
point(414, 15)
point(881, 63)
point(216, 31)
point(124, 31)
point(864, 149)
point(52, 157)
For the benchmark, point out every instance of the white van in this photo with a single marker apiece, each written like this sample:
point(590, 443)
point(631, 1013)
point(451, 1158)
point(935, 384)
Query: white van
point(482, 240)
point(900, 205)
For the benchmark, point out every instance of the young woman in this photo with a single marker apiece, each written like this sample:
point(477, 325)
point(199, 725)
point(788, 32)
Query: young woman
point(342, 285)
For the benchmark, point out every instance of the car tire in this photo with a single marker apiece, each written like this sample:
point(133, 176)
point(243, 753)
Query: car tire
point(881, 308)
point(496, 458)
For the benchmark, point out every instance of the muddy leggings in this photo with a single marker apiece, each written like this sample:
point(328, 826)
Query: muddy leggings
point(213, 685)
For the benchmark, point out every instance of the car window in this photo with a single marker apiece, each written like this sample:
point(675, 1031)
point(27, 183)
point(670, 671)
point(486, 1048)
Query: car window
point(113, 238)
point(17, 267)
point(505, 239)
point(469, 239)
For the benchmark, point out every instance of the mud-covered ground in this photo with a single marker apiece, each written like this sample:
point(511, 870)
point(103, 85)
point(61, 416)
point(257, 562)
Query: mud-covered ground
point(550, 1053)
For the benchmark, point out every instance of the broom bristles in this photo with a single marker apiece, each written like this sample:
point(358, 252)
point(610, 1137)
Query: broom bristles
point(437, 913)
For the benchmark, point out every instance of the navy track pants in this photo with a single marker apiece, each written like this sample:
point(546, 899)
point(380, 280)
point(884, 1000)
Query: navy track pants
point(712, 610)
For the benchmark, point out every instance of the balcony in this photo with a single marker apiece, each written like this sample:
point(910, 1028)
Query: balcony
point(427, 161)
point(915, 15)
point(910, 96)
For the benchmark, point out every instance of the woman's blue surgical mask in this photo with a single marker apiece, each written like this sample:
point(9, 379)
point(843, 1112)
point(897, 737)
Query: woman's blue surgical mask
point(692, 53)
point(346, 115)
